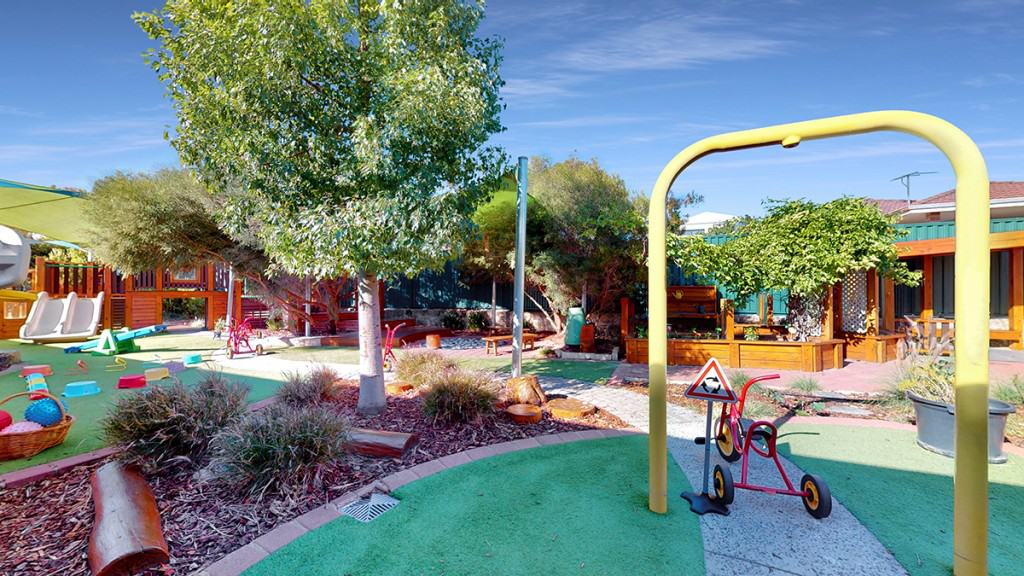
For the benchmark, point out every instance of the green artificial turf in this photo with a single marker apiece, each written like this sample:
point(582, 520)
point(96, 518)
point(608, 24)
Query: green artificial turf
point(904, 494)
point(590, 371)
point(85, 434)
point(570, 509)
point(328, 354)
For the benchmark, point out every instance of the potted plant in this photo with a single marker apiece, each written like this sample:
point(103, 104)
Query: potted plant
point(750, 333)
point(925, 375)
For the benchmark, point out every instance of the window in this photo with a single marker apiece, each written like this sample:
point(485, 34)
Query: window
point(15, 310)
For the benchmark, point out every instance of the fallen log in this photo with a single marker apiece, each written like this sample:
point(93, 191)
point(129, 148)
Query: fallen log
point(382, 443)
point(126, 535)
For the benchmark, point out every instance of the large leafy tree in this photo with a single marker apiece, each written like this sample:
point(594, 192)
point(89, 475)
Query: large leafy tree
point(355, 130)
point(799, 246)
point(167, 219)
point(592, 239)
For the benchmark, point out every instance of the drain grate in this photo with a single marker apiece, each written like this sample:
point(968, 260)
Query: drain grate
point(369, 508)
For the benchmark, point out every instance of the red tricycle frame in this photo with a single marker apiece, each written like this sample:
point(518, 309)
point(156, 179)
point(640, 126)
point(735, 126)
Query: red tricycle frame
point(760, 437)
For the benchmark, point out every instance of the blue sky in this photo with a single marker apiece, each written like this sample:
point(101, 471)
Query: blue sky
point(628, 83)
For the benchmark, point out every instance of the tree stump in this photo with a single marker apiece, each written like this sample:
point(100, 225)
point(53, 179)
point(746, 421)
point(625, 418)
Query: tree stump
point(570, 408)
point(525, 390)
point(524, 413)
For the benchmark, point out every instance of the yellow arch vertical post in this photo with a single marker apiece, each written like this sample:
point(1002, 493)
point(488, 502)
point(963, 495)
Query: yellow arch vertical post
point(970, 518)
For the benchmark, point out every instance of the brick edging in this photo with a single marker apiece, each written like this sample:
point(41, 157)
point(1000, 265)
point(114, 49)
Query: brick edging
point(19, 478)
point(241, 559)
point(871, 423)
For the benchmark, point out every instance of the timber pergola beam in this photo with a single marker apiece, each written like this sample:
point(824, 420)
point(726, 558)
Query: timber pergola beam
point(970, 533)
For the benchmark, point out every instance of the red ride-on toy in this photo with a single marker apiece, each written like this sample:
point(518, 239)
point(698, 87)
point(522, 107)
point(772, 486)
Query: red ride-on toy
point(238, 340)
point(389, 355)
point(734, 443)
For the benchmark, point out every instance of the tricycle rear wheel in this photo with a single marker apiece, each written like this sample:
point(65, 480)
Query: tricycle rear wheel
point(817, 498)
point(727, 445)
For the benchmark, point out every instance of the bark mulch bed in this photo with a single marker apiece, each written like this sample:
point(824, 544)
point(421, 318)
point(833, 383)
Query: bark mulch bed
point(44, 527)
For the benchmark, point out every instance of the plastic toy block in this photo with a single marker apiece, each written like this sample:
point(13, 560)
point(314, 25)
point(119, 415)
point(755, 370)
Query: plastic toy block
point(193, 359)
point(154, 374)
point(82, 388)
point(132, 381)
point(43, 369)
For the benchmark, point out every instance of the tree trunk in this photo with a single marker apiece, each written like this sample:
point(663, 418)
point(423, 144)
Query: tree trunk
point(372, 400)
point(494, 302)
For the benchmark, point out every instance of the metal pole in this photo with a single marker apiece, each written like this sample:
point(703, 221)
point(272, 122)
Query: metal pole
point(707, 449)
point(308, 307)
point(520, 281)
point(231, 295)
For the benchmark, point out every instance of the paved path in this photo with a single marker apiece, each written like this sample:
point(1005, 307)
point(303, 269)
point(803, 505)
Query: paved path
point(764, 534)
point(272, 364)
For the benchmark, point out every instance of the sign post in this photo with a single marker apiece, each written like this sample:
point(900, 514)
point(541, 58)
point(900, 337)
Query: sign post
point(712, 386)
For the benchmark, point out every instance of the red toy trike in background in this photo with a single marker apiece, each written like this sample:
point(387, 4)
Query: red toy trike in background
point(735, 443)
point(238, 340)
point(389, 354)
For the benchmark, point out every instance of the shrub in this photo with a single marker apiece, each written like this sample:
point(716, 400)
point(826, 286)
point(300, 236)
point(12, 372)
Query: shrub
point(750, 333)
point(478, 320)
point(173, 423)
point(807, 385)
point(1011, 390)
point(738, 378)
point(313, 387)
point(925, 370)
point(452, 320)
point(422, 368)
point(547, 352)
point(279, 448)
point(459, 396)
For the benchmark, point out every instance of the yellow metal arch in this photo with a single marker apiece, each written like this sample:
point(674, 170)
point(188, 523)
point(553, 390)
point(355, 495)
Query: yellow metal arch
point(970, 534)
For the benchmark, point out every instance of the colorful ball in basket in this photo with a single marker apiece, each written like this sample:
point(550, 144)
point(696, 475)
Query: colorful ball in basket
point(20, 427)
point(44, 412)
point(5, 419)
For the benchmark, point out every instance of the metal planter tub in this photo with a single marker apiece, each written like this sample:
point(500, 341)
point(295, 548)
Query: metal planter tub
point(936, 426)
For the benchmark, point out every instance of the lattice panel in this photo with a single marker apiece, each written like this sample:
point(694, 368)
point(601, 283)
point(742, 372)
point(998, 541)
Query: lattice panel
point(855, 302)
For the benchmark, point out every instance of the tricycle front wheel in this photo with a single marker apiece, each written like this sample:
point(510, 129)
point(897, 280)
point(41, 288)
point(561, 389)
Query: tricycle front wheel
point(817, 498)
point(725, 489)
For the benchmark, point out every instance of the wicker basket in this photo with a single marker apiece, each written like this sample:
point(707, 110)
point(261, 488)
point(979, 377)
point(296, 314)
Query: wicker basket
point(25, 444)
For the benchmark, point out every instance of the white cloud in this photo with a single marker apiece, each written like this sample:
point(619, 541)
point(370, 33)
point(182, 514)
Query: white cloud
point(994, 79)
point(589, 121)
point(671, 42)
point(15, 111)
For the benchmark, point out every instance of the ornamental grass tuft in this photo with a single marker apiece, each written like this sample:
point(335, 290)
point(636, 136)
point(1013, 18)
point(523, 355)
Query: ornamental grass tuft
point(280, 448)
point(173, 424)
point(459, 396)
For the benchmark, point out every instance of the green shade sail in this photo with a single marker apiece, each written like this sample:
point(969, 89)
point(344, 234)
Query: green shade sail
point(51, 212)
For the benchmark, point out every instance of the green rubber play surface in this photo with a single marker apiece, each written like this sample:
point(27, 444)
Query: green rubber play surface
point(571, 509)
point(85, 434)
point(904, 494)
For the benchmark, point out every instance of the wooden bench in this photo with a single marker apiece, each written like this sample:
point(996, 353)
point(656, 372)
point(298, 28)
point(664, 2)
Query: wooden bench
point(529, 339)
point(697, 302)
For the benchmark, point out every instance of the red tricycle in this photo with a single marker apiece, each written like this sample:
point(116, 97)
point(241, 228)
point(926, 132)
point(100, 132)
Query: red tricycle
point(238, 340)
point(389, 340)
point(735, 443)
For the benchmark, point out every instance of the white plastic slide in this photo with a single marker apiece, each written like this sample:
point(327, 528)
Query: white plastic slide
point(15, 252)
point(70, 319)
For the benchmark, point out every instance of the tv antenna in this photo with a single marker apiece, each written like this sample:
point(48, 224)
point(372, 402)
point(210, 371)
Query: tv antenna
point(905, 180)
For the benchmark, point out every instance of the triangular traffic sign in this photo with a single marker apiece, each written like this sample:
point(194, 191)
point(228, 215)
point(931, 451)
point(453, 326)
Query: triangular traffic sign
point(711, 384)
